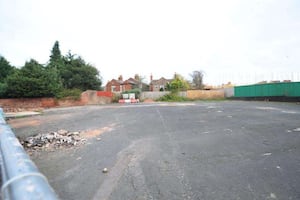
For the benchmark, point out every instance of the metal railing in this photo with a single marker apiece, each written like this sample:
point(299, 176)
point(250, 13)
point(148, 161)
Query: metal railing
point(20, 177)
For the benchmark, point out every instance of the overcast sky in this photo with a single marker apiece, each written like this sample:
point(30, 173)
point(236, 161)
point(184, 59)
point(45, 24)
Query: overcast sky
point(242, 41)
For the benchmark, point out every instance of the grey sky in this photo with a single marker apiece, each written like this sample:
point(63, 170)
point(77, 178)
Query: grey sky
point(243, 41)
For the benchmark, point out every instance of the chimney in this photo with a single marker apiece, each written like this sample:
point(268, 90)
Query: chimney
point(120, 78)
point(137, 77)
point(151, 78)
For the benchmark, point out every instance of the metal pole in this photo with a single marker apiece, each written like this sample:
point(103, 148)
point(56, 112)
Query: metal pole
point(20, 177)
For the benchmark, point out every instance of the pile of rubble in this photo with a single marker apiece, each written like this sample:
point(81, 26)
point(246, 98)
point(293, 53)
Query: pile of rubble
point(61, 138)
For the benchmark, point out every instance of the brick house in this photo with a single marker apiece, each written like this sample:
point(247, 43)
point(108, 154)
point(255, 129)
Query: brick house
point(120, 85)
point(159, 84)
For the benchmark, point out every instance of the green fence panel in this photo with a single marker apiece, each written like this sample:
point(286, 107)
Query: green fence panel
point(291, 89)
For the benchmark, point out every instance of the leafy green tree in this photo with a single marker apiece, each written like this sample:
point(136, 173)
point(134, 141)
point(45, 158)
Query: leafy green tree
point(3, 89)
point(5, 69)
point(178, 84)
point(32, 80)
point(55, 53)
point(56, 60)
point(62, 73)
point(78, 74)
point(56, 65)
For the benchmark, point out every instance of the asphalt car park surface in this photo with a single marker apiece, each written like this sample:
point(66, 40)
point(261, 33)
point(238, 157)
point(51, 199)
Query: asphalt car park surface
point(191, 150)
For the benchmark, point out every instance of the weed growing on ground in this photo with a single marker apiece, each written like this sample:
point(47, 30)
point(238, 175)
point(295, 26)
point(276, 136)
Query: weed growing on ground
point(173, 97)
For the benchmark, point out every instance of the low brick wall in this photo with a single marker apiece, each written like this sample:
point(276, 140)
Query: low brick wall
point(15, 105)
point(205, 94)
point(89, 97)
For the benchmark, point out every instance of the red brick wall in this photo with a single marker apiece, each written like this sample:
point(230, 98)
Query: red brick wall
point(104, 94)
point(23, 104)
point(14, 105)
point(96, 97)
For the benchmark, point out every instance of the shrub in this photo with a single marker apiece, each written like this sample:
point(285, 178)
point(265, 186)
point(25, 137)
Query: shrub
point(116, 97)
point(71, 93)
point(3, 88)
point(172, 97)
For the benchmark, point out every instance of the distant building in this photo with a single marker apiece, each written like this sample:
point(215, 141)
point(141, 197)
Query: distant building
point(159, 84)
point(120, 85)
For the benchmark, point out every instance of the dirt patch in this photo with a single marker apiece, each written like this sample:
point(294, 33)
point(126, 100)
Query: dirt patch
point(148, 101)
point(16, 123)
point(96, 132)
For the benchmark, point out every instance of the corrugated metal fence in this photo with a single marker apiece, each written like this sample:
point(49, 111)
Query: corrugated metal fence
point(289, 89)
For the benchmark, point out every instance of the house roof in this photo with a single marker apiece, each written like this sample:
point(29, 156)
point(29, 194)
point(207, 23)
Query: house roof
point(128, 81)
point(159, 81)
point(132, 81)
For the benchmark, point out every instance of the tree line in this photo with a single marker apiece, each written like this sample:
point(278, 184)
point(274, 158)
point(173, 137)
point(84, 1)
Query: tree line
point(179, 83)
point(60, 77)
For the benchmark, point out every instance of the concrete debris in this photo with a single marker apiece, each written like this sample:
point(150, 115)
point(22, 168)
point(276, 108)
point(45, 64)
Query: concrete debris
point(273, 196)
point(105, 170)
point(267, 154)
point(297, 130)
point(53, 140)
point(62, 132)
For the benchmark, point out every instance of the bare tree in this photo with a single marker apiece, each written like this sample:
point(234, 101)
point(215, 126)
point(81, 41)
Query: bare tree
point(197, 79)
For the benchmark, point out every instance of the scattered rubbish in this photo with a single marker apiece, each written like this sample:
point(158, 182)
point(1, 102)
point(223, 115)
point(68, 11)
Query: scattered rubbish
point(98, 139)
point(211, 107)
point(228, 130)
point(79, 158)
point(62, 132)
point(278, 167)
point(289, 112)
point(296, 129)
point(273, 196)
point(288, 131)
point(267, 154)
point(219, 111)
point(205, 132)
point(105, 170)
point(53, 140)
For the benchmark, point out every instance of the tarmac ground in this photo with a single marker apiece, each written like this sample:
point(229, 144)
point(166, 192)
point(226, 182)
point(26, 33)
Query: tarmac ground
point(192, 150)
